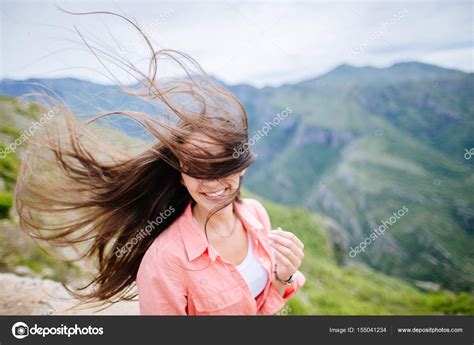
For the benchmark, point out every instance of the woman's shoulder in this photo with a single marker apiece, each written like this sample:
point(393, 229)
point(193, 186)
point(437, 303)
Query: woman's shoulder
point(258, 210)
point(253, 204)
point(165, 249)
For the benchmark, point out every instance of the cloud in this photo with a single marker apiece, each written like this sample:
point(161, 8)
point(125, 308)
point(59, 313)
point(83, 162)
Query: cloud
point(257, 43)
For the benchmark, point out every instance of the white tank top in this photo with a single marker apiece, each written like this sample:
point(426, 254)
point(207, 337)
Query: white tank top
point(252, 271)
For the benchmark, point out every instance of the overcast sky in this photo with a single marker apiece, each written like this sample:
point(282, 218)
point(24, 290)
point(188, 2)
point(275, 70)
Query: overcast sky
point(260, 43)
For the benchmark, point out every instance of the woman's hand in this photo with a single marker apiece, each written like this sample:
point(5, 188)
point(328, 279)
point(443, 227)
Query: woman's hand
point(288, 252)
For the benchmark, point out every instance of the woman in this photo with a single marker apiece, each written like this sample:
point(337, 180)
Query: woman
point(251, 271)
point(168, 218)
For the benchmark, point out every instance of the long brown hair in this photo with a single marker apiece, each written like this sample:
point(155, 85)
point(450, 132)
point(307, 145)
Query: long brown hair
point(76, 189)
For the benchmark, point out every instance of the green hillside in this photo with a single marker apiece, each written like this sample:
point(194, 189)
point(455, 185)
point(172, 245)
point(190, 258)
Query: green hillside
point(353, 289)
point(18, 253)
point(12, 116)
point(362, 143)
point(331, 288)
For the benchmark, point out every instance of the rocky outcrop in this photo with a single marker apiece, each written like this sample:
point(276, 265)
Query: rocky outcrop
point(35, 296)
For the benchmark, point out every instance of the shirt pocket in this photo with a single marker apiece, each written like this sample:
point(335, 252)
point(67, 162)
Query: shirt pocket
point(226, 302)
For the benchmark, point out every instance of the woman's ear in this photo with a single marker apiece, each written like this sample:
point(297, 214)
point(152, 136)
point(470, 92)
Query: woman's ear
point(243, 172)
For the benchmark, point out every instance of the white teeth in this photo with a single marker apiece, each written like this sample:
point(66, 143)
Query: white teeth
point(220, 192)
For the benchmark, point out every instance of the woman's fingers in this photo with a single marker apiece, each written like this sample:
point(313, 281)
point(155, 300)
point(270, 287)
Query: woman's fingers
point(289, 236)
point(288, 243)
point(288, 250)
point(293, 258)
point(284, 260)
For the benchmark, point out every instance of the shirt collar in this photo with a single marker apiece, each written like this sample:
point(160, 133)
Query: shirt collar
point(195, 240)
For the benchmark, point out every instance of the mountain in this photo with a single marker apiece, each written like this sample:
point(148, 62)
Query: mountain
point(358, 144)
point(331, 288)
point(85, 99)
point(362, 143)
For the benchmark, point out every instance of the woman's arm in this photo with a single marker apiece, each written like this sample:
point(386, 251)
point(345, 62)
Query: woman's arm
point(279, 292)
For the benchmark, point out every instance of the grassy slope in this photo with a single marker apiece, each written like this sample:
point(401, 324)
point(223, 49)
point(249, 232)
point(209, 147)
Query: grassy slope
point(330, 288)
point(384, 168)
point(354, 289)
point(17, 249)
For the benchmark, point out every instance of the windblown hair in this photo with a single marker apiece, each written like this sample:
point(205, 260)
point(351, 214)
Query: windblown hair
point(77, 190)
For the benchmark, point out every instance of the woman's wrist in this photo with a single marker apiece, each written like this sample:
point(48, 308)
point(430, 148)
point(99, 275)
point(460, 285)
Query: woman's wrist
point(281, 284)
point(281, 287)
point(284, 280)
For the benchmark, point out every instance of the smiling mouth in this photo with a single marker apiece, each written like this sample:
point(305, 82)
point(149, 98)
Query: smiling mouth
point(216, 193)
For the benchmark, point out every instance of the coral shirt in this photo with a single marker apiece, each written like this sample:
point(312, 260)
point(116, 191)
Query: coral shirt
point(181, 274)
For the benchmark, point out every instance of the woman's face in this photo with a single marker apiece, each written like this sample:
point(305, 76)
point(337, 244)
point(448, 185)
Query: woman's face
point(210, 193)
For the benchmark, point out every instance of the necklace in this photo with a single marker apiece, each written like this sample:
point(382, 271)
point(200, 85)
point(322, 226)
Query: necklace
point(231, 232)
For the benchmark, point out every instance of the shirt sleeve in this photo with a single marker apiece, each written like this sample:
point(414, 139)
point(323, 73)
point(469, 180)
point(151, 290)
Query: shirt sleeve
point(274, 301)
point(161, 289)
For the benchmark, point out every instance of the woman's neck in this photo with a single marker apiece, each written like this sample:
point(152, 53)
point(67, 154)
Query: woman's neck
point(222, 219)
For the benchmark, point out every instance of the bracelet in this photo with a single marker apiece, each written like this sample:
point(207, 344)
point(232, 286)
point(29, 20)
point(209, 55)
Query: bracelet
point(289, 281)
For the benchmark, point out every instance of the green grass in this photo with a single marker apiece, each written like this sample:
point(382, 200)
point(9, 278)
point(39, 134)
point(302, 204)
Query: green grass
point(409, 135)
point(9, 162)
point(10, 131)
point(16, 249)
point(354, 289)
point(330, 289)
point(6, 203)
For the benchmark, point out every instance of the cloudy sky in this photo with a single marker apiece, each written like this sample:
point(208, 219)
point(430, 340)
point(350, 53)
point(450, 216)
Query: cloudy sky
point(260, 43)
